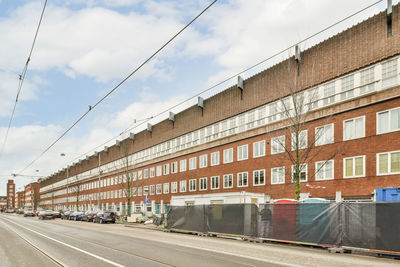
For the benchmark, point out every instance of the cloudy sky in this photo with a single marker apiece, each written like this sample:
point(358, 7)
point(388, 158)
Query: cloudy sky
point(84, 48)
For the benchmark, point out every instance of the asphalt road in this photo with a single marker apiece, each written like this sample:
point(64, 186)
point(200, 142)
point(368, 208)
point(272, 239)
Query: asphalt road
point(32, 242)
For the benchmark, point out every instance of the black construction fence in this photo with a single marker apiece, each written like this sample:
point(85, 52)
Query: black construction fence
point(374, 226)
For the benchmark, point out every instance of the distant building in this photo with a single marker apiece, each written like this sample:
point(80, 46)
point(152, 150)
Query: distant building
point(10, 194)
point(20, 200)
point(31, 196)
point(226, 148)
point(3, 203)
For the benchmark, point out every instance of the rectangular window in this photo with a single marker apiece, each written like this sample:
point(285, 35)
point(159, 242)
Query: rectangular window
point(182, 186)
point(152, 172)
point(166, 169)
point(228, 155)
point(354, 128)
point(215, 158)
point(134, 176)
point(214, 182)
point(158, 189)
point(174, 187)
point(140, 175)
point(259, 177)
point(367, 80)
point(259, 149)
point(159, 170)
point(166, 188)
point(388, 121)
point(182, 164)
point(329, 93)
point(139, 191)
point(302, 138)
point(388, 163)
point(174, 167)
point(278, 144)
point(192, 185)
point(203, 184)
point(324, 135)
point(145, 190)
point(146, 173)
point(228, 180)
point(243, 152)
point(303, 170)
point(354, 167)
point(203, 161)
point(192, 163)
point(152, 190)
point(278, 175)
point(324, 170)
point(389, 73)
point(242, 179)
point(347, 87)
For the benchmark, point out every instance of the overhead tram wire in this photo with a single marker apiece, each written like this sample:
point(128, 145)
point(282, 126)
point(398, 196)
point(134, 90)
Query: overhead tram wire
point(233, 76)
point(117, 86)
point(22, 78)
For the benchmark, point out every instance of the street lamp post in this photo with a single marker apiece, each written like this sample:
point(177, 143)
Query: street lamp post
point(99, 196)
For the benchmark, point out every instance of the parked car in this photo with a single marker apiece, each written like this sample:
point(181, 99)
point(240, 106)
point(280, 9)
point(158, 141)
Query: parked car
point(10, 211)
point(88, 216)
point(104, 217)
point(56, 214)
point(29, 213)
point(45, 215)
point(76, 216)
point(65, 215)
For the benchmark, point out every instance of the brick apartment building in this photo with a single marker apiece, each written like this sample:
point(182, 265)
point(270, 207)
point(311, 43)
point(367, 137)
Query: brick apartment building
point(3, 203)
point(10, 194)
point(20, 200)
point(226, 148)
point(31, 196)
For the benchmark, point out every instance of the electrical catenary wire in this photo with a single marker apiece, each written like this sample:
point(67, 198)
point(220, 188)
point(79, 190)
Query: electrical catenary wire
point(231, 77)
point(22, 78)
point(91, 107)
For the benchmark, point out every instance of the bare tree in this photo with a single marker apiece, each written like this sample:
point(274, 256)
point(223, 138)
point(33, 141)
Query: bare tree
point(296, 109)
point(76, 190)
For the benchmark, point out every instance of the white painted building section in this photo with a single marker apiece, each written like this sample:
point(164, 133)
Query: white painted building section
point(242, 197)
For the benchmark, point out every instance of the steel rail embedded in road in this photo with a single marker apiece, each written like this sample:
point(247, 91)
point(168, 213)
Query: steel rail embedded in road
point(33, 245)
point(85, 240)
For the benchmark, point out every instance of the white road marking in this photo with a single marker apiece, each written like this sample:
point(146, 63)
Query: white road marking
point(67, 245)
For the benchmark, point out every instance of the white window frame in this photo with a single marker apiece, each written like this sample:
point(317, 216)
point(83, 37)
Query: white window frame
point(354, 167)
point(304, 168)
point(259, 149)
point(389, 126)
point(230, 176)
point(303, 136)
point(323, 170)
point(203, 184)
point(228, 152)
point(389, 153)
point(183, 165)
point(158, 189)
point(166, 188)
point(254, 177)
point(243, 152)
point(192, 185)
point(182, 186)
point(174, 167)
point(278, 146)
point(354, 130)
point(159, 170)
point(193, 163)
point(318, 142)
point(174, 187)
point(152, 172)
point(145, 173)
point(203, 161)
point(240, 178)
point(140, 175)
point(278, 170)
point(166, 169)
point(214, 158)
point(152, 189)
point(213, 179)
